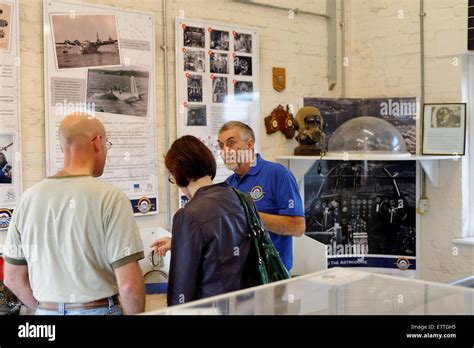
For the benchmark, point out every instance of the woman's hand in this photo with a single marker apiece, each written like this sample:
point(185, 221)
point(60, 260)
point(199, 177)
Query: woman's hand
point(161, 246)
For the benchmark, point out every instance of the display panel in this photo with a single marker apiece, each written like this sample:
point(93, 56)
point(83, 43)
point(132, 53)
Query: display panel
point(10, 143)
point(101, 60)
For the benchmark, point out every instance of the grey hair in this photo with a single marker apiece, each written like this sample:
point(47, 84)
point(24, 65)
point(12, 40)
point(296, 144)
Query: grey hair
point(245, 131)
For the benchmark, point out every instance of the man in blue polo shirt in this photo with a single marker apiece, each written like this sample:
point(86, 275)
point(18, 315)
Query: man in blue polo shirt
point(272, 187)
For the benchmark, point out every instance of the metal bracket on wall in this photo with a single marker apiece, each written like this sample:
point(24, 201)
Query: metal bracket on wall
point(331, 17)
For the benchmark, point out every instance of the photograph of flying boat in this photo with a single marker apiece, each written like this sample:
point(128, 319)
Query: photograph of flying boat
point(122, 91)
point(85, 40)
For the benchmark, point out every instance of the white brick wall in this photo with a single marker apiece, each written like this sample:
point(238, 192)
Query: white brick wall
point(385, 61)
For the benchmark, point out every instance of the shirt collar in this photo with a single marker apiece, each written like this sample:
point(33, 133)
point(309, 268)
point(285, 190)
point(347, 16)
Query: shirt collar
point(254, 169)
point(256, 166)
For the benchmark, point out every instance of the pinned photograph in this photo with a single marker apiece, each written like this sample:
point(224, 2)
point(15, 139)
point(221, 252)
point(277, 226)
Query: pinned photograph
point(85, 40)
point(243, 43)
point(220, 63)
point(194, 61)
point(220, 40)
point(197, 115)
point(195, 88)
point(243, 66)
point(194, 37)
point(122, 91)
point(219, 90)
point(243, 91)
point(6, 159)
point(6, 11)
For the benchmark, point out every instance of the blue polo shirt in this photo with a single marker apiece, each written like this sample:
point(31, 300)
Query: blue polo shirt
point(274, 191)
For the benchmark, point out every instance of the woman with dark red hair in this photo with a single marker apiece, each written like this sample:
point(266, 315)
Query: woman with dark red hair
point(210, 243)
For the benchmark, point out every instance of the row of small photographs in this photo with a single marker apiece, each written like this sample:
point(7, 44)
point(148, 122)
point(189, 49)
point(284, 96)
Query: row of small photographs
point(219, 39)
point(219, 63)
point(85, 40)
point(243, 90)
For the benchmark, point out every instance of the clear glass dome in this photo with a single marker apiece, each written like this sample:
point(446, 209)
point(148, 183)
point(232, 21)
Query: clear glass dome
point(367, 135)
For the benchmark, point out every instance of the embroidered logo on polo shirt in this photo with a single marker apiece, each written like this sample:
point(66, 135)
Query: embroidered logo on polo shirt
point(256, 193)
point(5, 217)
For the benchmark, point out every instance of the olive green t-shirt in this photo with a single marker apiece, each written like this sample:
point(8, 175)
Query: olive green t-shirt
point(72, 232)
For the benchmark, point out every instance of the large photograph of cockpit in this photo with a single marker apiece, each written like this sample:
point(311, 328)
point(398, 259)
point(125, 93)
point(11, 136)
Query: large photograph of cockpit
point(362, 207)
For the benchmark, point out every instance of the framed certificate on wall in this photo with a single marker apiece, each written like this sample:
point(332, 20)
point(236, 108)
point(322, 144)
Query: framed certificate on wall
point(444, 129)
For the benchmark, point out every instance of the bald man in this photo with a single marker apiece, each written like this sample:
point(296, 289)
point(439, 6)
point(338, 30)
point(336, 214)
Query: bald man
point(73, 245)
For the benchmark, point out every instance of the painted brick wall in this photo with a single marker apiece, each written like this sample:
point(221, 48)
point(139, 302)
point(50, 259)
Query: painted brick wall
point(385, 61)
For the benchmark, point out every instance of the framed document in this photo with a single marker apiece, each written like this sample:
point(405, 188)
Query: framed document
point(444, 129)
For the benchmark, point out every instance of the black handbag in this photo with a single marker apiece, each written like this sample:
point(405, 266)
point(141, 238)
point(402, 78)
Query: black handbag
point(267, 261)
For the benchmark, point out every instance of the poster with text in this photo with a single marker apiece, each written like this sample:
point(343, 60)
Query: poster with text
point(365, 213)
point(217, 74)
point(10, 144)
point(101, 60)
point(400, 112)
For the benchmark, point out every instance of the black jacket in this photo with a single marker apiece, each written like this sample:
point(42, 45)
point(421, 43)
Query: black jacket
point(210, 247)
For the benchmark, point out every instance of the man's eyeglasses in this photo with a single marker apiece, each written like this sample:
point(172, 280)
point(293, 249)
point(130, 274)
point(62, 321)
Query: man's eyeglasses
point(108, 144)
point(228, 143)
point(171, 180)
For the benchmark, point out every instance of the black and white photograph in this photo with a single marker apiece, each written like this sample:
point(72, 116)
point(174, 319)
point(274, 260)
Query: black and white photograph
point(243, 66)
point(5, 26)
point(219, 63)
point(243, 43)
point(219, 40)
point(194, 61)
point(444, 129)
point(122, 91)
point(194, 37)
point(6, 159)
point(197, 115)
point(195, 88)
point(243, 91)
point(85, 40)
point(219, 90)
point(364, 208)
point(446, 116)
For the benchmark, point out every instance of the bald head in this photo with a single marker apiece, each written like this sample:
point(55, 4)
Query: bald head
point(83, 142)
point(76, 130)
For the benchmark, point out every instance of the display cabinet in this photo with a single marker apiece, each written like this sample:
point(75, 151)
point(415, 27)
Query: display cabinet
point(337, 291)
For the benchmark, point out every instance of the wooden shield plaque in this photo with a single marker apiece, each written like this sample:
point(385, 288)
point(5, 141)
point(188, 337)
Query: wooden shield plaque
point(279, 79)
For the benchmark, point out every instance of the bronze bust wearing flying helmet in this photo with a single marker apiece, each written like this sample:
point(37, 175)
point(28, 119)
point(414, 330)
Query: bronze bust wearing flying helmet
point(310, 125)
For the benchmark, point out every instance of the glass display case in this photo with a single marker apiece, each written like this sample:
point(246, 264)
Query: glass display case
point(338, 291)
point(368, 134)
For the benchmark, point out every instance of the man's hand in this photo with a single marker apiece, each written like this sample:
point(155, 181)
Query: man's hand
point(16, 279)
point(161, 246)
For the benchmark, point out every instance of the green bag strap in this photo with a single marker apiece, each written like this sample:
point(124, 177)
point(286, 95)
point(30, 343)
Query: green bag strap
point(253, 221)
